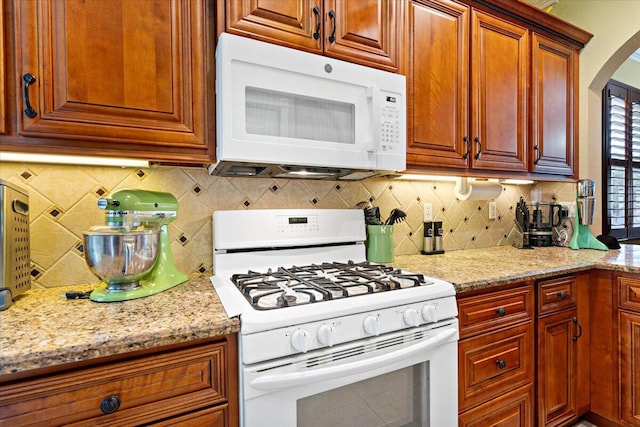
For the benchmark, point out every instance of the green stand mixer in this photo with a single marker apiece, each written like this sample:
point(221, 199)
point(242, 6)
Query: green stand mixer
point(131, 254)
point(586, 206)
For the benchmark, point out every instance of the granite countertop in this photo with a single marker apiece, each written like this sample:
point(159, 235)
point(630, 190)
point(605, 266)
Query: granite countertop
point(482, 268)
point(43, 328)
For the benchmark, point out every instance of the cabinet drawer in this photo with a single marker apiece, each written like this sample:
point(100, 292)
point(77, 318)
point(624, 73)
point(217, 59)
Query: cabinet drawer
point(491, 364)
point(556, 294)
point(629, 293)
point(512, 409)
point(147, 388)
point(494, 310)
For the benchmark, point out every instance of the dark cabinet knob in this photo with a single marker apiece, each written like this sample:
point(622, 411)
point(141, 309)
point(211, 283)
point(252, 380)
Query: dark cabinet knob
point(501, 312)
point(501, 364)
point(110, 404)
point(562, 295)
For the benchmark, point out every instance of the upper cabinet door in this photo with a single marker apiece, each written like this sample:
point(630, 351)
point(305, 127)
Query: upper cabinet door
point(293, 23)
point(364, 31)
point(437, 73)
point(116, 72)
point(499, 76)
point(553, 106)
point(3, 75)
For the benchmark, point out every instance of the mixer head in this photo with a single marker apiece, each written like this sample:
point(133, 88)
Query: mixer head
point(133, 208)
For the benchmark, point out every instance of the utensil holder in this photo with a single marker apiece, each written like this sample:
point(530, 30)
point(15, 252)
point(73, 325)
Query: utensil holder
point(380, 243)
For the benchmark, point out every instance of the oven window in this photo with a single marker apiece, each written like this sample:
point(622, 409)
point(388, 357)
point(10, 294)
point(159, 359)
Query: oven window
point(396, 399)
point(287, 115)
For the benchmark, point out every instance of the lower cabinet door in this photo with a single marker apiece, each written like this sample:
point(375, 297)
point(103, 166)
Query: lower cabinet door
point(629, 339)
point(514, 409)
point(557, 368)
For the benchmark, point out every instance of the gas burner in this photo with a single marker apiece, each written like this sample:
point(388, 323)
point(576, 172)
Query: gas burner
point(312, 283)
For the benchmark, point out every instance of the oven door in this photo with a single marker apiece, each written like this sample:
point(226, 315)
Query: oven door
point(408, 378)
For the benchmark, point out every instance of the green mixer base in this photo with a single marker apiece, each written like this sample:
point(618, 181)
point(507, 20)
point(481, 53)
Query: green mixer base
point(583, 239)
point(101, 294)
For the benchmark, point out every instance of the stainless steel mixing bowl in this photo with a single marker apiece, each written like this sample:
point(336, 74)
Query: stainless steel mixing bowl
point(121, 258)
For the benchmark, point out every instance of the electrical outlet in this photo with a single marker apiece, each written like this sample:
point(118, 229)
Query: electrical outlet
point(493, 210)
point(427, 212)
point(571, 207)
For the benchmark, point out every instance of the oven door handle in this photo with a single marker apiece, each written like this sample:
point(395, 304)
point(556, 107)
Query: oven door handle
point(293, 379)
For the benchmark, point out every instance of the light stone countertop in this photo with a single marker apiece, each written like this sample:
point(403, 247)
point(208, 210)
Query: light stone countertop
point(482, 268)
point(43, 329)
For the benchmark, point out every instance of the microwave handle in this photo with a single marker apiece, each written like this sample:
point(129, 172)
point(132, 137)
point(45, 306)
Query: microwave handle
point(293, 379)
point(373, 98)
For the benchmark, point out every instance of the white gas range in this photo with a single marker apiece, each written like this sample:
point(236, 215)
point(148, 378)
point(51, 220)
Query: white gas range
point(320, 324)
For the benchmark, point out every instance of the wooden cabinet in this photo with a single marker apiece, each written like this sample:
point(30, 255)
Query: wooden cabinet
point(629, 343)
point(513, 409)
point(3, 76)
point(113, 78)
point(488, 93)
point(562, 350)
point(553, 106)
point(195, 386)
point(496, 358)
point(361, 31)
point(466, 114)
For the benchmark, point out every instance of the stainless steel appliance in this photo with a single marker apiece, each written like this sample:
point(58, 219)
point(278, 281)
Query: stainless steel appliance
point(326, 337)
point(282, 112)
point(544, 217)
point(15, 255)
point(538, 223)
point(586, 206)
point(132, 253)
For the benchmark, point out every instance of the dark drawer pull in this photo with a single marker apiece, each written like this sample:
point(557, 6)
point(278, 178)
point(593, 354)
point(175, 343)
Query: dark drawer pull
point(501, 364)
point(316, 12)
point(110, 404)
point(332, 37)
point(575, 337)
point(501, 312)
point(28, 79)
point(465, 156)
point(479, 144)
point(562, 294)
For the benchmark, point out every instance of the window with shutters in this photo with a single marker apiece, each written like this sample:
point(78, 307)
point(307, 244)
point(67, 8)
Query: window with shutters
point(621, 165)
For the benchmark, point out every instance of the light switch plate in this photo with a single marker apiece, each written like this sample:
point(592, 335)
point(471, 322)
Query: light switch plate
point(493, 210)
point(427, 212)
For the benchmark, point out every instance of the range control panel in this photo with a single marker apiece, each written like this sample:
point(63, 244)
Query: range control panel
point(298, 224)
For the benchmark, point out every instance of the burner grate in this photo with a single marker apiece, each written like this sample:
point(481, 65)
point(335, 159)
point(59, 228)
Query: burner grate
point(297, 285)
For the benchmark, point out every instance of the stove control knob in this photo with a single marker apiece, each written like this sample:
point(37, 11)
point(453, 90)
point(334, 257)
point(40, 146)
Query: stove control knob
point(326, 335)
point(300, 340)
point(411, 317)
point(429, 313)
point(372, 325)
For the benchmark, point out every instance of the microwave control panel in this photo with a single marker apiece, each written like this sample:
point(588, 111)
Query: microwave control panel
point(390, 125)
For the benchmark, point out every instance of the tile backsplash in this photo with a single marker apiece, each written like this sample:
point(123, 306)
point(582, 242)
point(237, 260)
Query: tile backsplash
point(63, 205)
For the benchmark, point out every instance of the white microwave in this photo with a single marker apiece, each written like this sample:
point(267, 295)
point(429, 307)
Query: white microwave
point(286, 113)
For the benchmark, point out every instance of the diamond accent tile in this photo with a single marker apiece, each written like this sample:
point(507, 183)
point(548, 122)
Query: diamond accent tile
point(55, 212)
